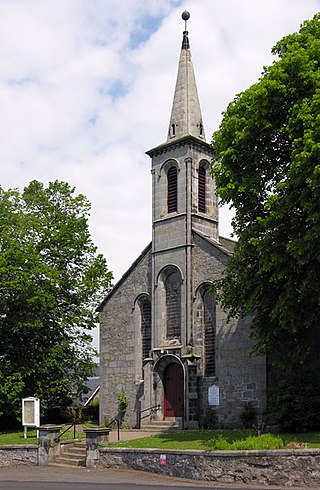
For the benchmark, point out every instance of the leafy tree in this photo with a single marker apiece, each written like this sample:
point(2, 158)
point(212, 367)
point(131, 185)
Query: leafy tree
point(268, 169)
point(51, 279)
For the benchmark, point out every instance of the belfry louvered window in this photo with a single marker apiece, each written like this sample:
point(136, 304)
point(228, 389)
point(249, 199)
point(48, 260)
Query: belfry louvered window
point(202, 189)
point(173, 305)
point(172, 189)
point(145, 308)
point(209, 326)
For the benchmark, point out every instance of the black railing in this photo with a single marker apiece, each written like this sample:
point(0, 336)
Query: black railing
point(151, 410)
point(57, 439)
point(118, 422)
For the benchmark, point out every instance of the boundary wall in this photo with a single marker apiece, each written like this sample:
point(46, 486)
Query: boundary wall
point(286, 468)
point(19, 455)
point(273, 467)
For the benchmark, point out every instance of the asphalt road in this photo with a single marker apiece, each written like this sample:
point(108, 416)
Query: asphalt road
point(12, 485)
point(53, 478)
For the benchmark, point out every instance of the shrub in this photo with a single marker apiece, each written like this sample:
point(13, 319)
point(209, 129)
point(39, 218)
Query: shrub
point(91, 412)
point(248, 417)
point(122, 405)
point(208, 420)
point(264, 441)
point(294, 400)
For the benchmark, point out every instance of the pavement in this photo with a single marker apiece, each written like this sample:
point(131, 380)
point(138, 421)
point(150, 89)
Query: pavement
point(128, 435)
point(116, 477)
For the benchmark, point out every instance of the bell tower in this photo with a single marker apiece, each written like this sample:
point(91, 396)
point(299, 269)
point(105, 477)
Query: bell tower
point(164, 338)
point(183, 201)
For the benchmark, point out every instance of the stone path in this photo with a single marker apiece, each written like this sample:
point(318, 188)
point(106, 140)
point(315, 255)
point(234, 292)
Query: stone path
point(125, 435)
point(128, 435)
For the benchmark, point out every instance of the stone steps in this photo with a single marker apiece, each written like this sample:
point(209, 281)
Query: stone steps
point(162, 425)
point(68, 463)
point(72, 455)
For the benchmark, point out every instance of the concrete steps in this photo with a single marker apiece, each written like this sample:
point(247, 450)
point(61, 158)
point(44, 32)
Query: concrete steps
point(72, 454)
point(162, 425)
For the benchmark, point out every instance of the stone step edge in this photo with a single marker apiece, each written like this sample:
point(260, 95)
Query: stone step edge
point(73, 457)
point(160, 427)
point(74, 450)
point(66, 465)
point(72, 462)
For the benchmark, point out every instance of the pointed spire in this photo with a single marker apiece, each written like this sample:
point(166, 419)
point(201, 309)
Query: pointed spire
point(186, 116)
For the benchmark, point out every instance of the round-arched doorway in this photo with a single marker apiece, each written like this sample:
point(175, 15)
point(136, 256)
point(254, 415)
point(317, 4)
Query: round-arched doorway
point(173, 391)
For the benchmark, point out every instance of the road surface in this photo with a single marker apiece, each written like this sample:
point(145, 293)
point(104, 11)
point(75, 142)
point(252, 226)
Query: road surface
point(54, 478)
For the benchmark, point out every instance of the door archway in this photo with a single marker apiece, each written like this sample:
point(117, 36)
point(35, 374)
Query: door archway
point(173, 391)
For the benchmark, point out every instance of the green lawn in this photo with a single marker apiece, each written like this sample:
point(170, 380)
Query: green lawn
point(16, 437)
point(219, 439)
point(189, 439)
point(311, 439)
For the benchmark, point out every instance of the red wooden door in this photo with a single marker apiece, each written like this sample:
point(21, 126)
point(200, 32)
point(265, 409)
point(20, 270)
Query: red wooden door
point(173, 391)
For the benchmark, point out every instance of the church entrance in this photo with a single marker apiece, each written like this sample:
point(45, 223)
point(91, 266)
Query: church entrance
point(173, 391)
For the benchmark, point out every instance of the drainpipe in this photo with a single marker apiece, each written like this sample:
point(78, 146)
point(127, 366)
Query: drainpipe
point(188, 162)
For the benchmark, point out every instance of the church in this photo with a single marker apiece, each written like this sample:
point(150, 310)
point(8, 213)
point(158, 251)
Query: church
point(165, 342)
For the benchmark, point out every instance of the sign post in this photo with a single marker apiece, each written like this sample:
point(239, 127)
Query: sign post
point(30, 413)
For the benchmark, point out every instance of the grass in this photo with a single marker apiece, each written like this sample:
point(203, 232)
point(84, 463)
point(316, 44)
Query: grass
point(247, 443)
point(311, 439)
point(221, 440)
point(16, 437)
point(207, 440)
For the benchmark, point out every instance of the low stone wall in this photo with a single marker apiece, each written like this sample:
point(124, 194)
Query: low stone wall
point(18, 455)
point(281, 467)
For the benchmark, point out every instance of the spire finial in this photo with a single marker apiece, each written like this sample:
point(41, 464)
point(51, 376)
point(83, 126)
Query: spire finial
point(186, 119)
point(185, 41)
point(185, 16)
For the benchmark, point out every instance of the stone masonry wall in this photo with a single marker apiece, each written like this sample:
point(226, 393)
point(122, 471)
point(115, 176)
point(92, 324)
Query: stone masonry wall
point(240, 375)
point(121, 346)
point(18, 455)
point(282, 467)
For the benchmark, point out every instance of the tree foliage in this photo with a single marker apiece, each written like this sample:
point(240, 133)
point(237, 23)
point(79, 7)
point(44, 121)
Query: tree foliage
point(268, 169)
point(51, 279)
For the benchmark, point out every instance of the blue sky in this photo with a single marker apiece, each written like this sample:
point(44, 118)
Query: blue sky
point(86, 88)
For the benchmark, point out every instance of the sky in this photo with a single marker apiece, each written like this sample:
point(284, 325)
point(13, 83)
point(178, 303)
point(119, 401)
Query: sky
point(86, 88)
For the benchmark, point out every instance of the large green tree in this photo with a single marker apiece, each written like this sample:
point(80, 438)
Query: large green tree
point(51, 279)
point(268, 169)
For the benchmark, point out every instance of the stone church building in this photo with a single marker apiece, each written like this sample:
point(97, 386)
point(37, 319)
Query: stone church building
point(164, 340)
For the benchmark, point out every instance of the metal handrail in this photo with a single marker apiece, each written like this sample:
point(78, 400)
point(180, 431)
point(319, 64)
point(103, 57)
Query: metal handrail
point(117, 419)
point(155, 408)
point(57, 439)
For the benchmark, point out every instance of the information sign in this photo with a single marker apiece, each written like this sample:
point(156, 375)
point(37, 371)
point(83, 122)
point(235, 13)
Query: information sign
point(213, 395)
point(31, 412)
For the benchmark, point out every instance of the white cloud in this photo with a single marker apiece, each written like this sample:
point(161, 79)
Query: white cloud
point(86, 88)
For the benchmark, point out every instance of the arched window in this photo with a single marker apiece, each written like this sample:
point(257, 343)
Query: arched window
point(202, 189)
point(172, 177)
point(145, 309)
point(173, 305)
point(209, 330)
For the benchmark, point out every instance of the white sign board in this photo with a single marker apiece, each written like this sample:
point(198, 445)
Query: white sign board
point(213, 395)
point(31, 412)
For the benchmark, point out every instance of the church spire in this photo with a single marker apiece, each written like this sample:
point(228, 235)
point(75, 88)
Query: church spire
point(186, 116)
